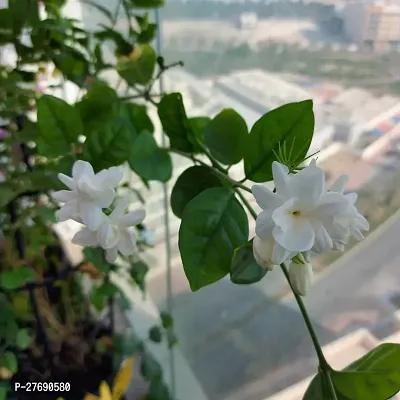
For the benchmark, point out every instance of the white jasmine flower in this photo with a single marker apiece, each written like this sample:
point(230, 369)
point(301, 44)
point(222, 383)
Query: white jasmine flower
point(300, 211)
point(301, 276)
point(89, 193)
point(113, 234)
point(350, 222)
point(268, 253)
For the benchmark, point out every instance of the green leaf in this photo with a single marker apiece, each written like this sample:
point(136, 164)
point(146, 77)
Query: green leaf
point(147, 34)
point(23, 340)
point(99, 105)
point(137, 114)
point(8, 360)
point(158, 391)
point(59, 125)
point(319, 390)
point(191, 183)
point(290, 126)
point(109, 145)
point(41, 180)
point(73, 65)
point(175, 122)
point(7, 193)
point(102, 294)
point(124, 48)
point(166, 320)
point(155, 334)
point(28, 17)
point(95, 255)
point(124, 300)
point(197, 129)
point(46, 214)
point(147, 3)
point(138, 67)
point(17, 277)
point(150, 161)
point(376, 376)
point(213, 225)
point(4, 386)
point(138, 272)
point(149, 368)
point(244, 268)
point(226, 137)
point(172, 340)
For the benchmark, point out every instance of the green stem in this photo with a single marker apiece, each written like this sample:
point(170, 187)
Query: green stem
point(247, 204)
point(219, 171)
point(213, 160)
point(321, 358)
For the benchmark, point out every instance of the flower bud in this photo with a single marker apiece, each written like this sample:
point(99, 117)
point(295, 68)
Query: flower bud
point(268, 253)
point(301, 276)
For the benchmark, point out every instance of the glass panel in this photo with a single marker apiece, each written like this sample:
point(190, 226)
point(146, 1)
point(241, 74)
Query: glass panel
point(250, 343)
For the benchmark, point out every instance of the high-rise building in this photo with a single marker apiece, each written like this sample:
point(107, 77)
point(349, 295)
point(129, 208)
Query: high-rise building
point(373, 26)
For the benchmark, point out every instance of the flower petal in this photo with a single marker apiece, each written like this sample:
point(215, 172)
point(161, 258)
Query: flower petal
point(281, 255)
point(264, 224)
point(323, 242)
point(133, 218)
point(331, 204)
point(283, 215)
point(67, 181)
point(105, 198)
point(105, 391)
point(67, 211)
point(280, 173)
point(120, 208)
point(107, 235)
point(265, 198)
point(308, 185)
point(351, 197)
point(82, 169)
point(91, 215)
point(112, 254)
point(85, 237)
point(101, 197)
point(127, 243)
point(362, 222)
point(340, 184)
point(109, 178)
point(63, 195)
point(298, 236)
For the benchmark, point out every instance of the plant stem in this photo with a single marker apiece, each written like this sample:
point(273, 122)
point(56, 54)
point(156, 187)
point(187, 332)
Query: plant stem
point(247, 204)
point(219, 171)
point(321, 358)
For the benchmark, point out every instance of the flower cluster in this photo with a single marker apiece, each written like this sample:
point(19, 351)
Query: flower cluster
point(89, 194)
point(302, 216)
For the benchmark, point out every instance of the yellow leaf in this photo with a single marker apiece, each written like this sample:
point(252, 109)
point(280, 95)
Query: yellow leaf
point(90, 396)
point(123, 378)
point(105, 392)
point(5, 373)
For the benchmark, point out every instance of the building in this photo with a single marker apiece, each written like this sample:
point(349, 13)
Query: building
point(373, 26)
